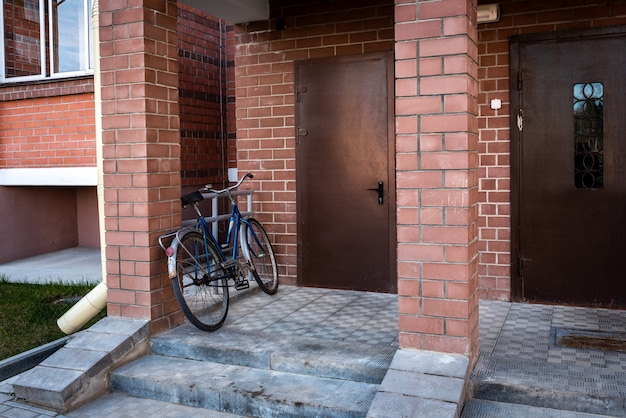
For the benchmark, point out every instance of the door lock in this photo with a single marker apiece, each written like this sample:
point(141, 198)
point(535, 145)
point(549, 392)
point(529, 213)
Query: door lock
point(381, 192)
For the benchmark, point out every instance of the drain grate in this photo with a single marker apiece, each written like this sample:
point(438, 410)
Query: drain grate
point(590, 340)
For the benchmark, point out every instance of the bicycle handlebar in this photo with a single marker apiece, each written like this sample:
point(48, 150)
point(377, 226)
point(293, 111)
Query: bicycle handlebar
point(208, 187)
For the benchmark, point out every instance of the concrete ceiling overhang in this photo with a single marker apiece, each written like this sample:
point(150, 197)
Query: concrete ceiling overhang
point(233, 11)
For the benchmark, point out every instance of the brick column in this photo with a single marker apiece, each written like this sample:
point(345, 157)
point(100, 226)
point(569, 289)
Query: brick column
point(437, 194)
point(141, 151)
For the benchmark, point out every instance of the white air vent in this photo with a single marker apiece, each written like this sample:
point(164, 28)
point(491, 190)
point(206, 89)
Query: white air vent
point(488, 13)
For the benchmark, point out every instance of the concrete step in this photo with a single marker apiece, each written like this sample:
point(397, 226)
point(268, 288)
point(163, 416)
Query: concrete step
point(560, 387)
point(257, 374)
point(76, 373)
point(122, 405)
point(242, 390)
point(488, 409)
point(292, 354)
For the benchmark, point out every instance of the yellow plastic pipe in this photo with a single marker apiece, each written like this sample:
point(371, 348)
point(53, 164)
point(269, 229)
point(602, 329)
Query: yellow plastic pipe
point(96, 299)
point(84, 309)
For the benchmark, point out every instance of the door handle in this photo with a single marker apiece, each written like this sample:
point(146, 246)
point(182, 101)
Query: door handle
point(381, 192)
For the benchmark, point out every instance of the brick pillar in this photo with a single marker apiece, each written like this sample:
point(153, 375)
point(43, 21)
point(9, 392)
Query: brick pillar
point(141, 151)
point(437, 194)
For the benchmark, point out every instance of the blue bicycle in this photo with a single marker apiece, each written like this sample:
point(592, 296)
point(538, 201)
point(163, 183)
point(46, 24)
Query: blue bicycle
point(202, 269)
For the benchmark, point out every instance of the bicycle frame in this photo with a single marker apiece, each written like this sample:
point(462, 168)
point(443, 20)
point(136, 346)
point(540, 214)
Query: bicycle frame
point(234, 227)
point(234, 232)
point(234, 235)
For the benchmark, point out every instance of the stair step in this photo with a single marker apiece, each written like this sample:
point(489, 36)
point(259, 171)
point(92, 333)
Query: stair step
point(302, 355)
point(122, 405)
point(559, 387)
point(241, 389)
point(486, 409)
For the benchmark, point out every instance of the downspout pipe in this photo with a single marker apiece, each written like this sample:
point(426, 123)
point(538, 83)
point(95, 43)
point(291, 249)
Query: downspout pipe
point(96, 300)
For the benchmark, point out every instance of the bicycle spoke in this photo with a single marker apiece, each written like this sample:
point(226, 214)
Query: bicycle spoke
point(197, 287)
point(261, 256)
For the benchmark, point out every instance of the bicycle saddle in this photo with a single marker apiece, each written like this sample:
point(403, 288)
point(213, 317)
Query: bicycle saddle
point(191, 198)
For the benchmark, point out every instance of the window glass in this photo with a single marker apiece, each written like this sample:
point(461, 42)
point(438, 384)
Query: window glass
point(69, 50)
point(45, 38)
point(588, 135)
point(22, 38)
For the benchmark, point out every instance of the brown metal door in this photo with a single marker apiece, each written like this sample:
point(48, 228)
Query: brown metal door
point(343, 158)
point(569, 168)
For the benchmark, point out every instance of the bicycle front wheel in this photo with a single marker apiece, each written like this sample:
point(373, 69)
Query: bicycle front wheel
point(260, 254)
point(201, 287)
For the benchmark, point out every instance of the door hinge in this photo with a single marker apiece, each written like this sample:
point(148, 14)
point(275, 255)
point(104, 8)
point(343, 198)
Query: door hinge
point(300, 90)
point(300, 133)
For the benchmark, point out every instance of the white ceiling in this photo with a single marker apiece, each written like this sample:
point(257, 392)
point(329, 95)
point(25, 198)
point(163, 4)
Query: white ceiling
point(233, 11)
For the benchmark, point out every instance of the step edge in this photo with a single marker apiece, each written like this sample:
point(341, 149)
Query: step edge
point(216, 397)
point(538, 396)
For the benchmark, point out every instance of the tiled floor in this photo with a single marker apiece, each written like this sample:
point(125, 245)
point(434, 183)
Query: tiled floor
point(320, 313)
point(527, 332)
point(518, 349)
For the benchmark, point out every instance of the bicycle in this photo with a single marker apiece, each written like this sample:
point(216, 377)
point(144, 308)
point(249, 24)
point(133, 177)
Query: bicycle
point(202, 269)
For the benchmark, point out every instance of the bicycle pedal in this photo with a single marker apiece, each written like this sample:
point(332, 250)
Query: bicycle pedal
point(230, 263)
point(242, 284)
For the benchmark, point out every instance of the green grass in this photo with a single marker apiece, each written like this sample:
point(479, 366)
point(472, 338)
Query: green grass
point(28, 313)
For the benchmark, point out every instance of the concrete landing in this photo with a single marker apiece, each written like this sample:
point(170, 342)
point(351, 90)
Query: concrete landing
point(73, 265)
point(524, 361)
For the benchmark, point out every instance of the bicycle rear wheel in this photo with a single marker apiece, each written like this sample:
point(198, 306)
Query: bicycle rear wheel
point(260, 254)
point(201, 287)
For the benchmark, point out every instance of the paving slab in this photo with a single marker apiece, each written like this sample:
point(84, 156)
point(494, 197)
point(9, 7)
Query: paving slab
point(389, 405)
point(422, 383)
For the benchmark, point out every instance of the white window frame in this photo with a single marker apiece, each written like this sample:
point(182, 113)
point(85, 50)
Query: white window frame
point(86, 60)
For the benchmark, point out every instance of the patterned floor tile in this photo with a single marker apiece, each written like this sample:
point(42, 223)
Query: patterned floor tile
point(364, 317)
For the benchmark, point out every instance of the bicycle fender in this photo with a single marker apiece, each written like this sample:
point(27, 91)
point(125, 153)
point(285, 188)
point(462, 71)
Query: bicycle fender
point(171, 259)
point(243, 231)
point(171, 266)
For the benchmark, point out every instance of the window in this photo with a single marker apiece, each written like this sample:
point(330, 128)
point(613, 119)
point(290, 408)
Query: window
point(45, 38)
point(589, 135)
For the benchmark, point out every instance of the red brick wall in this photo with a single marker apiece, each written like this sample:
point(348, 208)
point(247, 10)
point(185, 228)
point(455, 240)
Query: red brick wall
point(141, 155)
point(206, 97)
point(51, 124)
point(517, 17)
point(265, 100)
point(436, 172)
point(47, 125)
